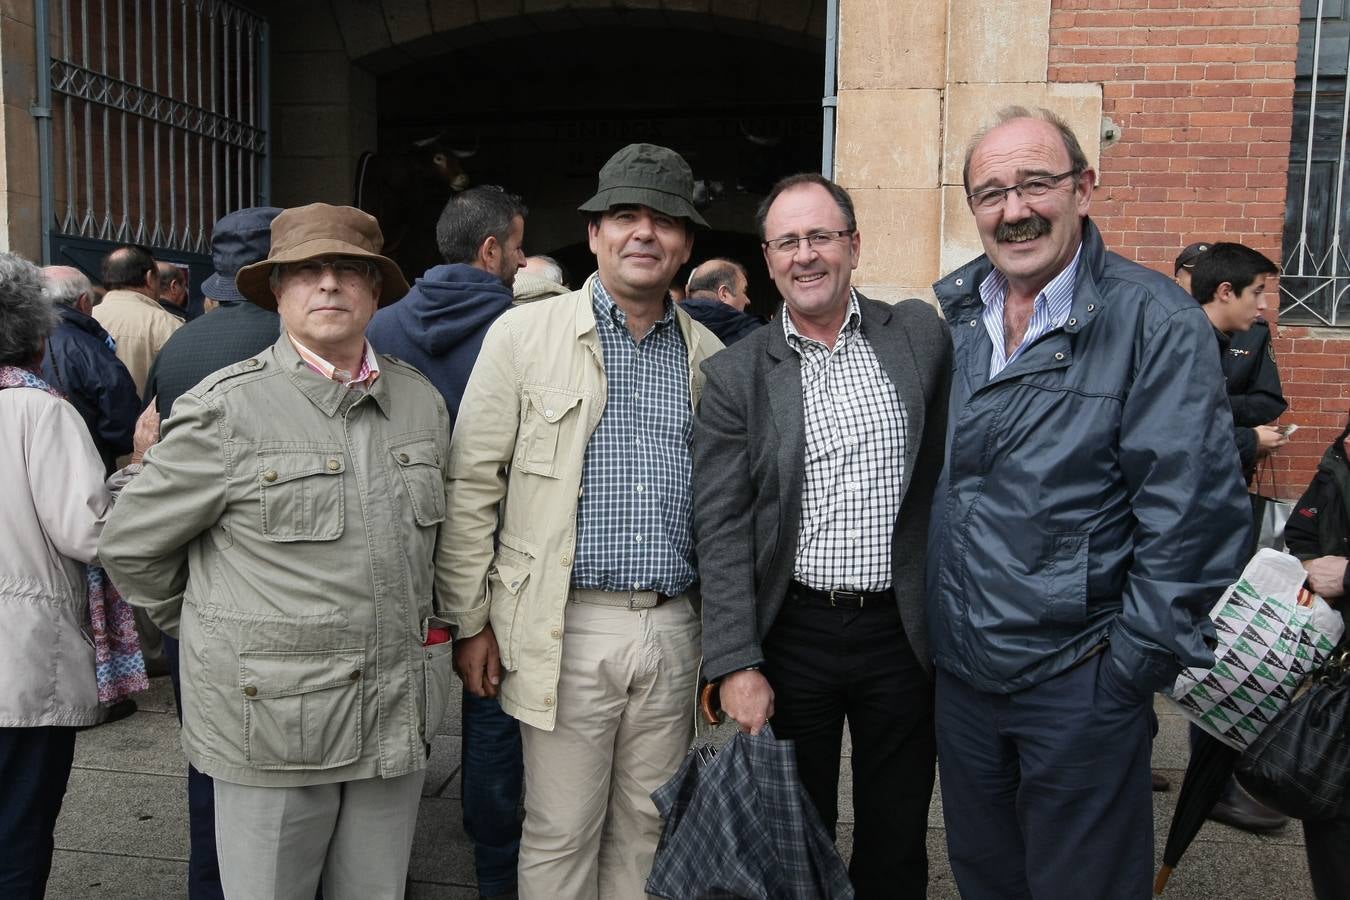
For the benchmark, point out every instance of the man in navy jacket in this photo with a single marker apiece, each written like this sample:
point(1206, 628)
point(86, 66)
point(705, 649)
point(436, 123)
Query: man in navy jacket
point(439, 327)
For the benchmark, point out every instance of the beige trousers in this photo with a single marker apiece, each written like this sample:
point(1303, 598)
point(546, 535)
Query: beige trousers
point(624, 722)
point(276, 843)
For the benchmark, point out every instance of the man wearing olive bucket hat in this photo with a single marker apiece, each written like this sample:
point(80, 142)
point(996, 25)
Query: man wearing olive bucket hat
point(286, 530)
point(573, 583)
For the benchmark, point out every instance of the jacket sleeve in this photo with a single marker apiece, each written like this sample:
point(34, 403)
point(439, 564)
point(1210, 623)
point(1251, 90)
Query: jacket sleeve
point(724, 498)
point(1262, 402)
point(65, 478)
point(1301, 532)
point(481, 448)
point(118, 404)
point(179, 494)
point(1193, 518)
point(1245, 438)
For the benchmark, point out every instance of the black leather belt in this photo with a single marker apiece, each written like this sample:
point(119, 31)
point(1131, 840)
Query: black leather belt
point(838, 598)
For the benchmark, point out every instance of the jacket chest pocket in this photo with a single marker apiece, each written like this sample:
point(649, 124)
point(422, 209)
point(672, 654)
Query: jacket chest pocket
point(545, 413)
point(302, 709)
point(301, 494)
point(419, 464)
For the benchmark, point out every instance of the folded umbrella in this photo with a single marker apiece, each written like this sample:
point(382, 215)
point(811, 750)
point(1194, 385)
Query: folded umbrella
point(739, 824)
point(1208, 771)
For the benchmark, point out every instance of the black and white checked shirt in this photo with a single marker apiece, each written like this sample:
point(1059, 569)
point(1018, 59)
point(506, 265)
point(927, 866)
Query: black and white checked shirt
point(855, 461)
point(634, 529)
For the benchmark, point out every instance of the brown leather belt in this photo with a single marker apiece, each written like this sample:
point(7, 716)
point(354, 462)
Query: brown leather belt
point(620, 599)
point(837, 598)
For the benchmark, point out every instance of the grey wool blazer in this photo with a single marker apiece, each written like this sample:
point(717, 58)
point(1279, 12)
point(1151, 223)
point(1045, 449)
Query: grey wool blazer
point(749, 438)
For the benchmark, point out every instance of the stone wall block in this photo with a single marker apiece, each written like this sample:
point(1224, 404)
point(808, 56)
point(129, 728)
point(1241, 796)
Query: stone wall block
point(960, 239)
point(899, 230)
point(311, 77)
point(300, 180)
point(1006, 41)
point(406, 20)
point(892, 44)
point(363, 27)
point(447, 15)
point(889, 139)
point(306, 25)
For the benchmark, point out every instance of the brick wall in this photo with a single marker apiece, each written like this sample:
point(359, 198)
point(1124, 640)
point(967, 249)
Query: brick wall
point(1202, 91)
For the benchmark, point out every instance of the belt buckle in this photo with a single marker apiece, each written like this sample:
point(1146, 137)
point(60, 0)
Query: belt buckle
point(851, 595)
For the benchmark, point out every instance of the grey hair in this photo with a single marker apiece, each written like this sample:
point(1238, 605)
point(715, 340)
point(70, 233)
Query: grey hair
point(552, 268)
point(26, 315)
point(65, 289)
point(1077, 158)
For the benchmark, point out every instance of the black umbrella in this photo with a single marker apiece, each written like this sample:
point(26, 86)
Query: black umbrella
point(738, 824)
point(1211, 766)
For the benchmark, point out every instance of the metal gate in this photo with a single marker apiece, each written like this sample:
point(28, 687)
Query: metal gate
point(1316, 272)
point(157, 123)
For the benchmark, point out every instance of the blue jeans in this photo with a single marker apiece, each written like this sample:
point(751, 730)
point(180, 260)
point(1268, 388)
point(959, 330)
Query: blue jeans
point(490, 782)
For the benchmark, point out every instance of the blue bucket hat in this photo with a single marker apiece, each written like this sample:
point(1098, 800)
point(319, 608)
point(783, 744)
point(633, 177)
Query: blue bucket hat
point(240, 238)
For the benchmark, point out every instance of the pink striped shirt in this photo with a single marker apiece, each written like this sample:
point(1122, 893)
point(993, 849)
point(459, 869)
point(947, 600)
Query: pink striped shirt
point(365, 376)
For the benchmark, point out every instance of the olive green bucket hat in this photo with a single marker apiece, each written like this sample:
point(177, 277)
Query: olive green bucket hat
point(646, 175)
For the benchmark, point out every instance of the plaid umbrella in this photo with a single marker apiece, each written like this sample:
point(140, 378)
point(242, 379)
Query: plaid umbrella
point(738, 824)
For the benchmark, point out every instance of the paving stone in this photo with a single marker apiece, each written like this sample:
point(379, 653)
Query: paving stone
point(78, 875)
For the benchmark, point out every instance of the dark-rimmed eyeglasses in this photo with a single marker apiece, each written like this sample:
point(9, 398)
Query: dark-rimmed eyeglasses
point(1031, 188)
point(344, 267)
point(818, 240)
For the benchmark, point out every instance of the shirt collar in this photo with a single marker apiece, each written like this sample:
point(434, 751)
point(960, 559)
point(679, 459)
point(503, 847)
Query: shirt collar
point(1057, 295)
point(605, 308)
point(364, 377)
point(852, 322)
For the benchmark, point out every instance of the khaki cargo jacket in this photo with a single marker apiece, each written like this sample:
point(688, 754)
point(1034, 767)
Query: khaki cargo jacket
point(286, 529)
point(535, 397)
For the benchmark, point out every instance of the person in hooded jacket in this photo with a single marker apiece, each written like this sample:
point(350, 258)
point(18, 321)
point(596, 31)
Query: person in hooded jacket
point(439, 327)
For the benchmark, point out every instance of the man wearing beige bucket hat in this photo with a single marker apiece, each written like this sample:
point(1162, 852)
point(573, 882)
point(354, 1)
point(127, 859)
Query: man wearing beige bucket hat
point(287, 530)
point(573, 582)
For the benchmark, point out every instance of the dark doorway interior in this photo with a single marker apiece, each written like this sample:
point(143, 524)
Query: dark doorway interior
point(540, 113)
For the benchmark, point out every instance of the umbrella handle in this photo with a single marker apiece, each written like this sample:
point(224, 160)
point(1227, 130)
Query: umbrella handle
point(710, 704)
point(1163, 874)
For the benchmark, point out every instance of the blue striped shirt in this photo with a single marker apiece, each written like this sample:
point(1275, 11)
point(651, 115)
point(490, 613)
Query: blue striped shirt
point(1050, 311)
point(634, 530)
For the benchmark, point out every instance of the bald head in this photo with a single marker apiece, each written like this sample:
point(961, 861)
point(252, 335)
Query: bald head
point(68, 286)
point(723, 280)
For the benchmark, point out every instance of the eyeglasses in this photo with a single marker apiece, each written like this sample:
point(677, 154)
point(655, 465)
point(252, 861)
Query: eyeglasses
point(1031, 188)
point(344, 268)
point(816, 241)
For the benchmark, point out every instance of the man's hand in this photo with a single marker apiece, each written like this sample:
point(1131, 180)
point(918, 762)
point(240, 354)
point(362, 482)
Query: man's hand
point(747, 698)
point(1268, 439)
point(1326, 576)
point(479, 663)
point(146, 434)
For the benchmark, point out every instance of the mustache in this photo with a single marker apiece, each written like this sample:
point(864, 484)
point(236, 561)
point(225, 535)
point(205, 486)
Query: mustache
point(1033, 226)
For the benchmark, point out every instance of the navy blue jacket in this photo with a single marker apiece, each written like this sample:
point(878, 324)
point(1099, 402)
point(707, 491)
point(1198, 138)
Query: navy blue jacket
point(1091, 489)
point(727, 322)
point(438, 326)
point(80, 362)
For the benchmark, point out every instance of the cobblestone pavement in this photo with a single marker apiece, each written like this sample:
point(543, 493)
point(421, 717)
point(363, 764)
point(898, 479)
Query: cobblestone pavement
point(123, 830)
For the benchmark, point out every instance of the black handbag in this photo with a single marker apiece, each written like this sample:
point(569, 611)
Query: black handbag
point(1300, 764)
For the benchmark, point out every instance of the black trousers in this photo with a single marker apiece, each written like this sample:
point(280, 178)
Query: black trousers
point(1328, 846)
point(34, 770)
point(827, 665)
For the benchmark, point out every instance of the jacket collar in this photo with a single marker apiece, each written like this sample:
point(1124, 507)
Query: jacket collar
point(325, 393)
point(584, 322)
point(76, 319)
point(959, 292)
point(123, 295)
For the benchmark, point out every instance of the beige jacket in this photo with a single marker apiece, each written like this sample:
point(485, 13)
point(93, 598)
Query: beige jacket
point(285, 530)
point(53, 504)
point(535, 397)
point(140, 326)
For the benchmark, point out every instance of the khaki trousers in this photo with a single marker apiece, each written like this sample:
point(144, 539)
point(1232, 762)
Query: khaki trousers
point(276, 843)
point(624, 723)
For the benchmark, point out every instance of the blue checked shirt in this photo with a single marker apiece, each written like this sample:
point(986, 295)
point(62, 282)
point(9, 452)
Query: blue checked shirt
point(634, 529)
point(1050, 311)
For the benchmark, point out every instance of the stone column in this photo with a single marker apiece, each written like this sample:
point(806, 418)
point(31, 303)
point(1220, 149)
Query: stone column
point(20, 203)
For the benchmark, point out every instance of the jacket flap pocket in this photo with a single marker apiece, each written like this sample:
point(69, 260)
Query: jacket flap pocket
point(279, 467)
point(520, 545)
point(289, 673)
point(421, 452)
point(552, 404)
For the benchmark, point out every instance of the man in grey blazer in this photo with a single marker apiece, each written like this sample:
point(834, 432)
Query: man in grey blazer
point(816, 448)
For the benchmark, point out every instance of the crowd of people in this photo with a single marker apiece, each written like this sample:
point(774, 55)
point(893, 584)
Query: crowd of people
point(980, 536)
